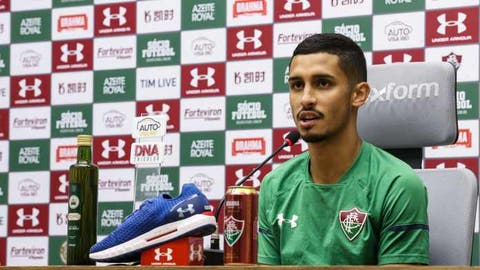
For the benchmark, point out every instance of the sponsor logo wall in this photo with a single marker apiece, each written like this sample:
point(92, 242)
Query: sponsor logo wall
point(217, 68)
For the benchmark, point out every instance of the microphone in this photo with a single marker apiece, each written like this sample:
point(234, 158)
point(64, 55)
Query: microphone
point(291, 138)
point(214, 256)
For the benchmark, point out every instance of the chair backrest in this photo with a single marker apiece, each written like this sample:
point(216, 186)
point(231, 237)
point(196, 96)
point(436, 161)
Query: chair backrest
point(452, 204)
point(413, 105)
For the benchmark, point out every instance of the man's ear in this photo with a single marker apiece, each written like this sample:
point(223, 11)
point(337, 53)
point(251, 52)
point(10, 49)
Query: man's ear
point(360, 94)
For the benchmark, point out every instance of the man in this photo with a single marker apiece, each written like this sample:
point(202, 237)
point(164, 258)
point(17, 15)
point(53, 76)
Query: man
point(344, 201)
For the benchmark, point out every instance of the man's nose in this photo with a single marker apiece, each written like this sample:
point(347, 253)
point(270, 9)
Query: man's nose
point(308, 97)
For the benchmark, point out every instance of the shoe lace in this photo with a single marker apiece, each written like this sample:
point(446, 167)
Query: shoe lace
point(147, 202)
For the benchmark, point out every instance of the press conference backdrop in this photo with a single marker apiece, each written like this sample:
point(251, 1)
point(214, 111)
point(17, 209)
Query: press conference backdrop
point(217, 68)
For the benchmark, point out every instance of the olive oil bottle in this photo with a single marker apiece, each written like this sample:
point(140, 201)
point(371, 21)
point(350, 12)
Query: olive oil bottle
point(82, 204)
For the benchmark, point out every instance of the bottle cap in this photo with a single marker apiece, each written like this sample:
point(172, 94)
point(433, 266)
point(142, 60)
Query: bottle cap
point(84, 140)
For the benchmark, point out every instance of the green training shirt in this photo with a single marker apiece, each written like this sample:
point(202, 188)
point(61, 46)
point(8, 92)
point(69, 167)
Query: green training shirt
point(375, 214)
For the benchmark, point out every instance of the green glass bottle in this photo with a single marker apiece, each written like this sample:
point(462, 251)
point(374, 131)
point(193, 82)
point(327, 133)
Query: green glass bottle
point(82, 204)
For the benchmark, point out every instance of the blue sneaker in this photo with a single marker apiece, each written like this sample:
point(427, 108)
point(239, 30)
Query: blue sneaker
point(157, 221)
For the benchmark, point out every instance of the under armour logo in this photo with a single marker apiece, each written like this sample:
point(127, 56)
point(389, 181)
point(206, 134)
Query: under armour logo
point(442, 19)
point(292, 222)
point(120, 16)
point(35, 87)
point(242, 39)
point(389, 58)
point(288, 5)
point(77, 52)
point(195, 254)
point(63, 183)
point(189, 209)
point(113, 148)
point(197, 77)
point(33, 217)
point(159, 254)
point(253, 178)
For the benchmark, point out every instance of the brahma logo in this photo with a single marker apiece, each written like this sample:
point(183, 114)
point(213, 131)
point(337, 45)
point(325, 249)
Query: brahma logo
point(464, 138)
point(392, 91)
point(452, 26)
point(203, 80)
point(398, 31)
point(72, 22)
point(28, 220)
point(30, 90)
point(72, 55)
point(147, 153)
point(249, 42)
point(246, 146)
point(66, 153)
point(454, 59)
point(249, 7)
point(203, 182)
point(115, 19)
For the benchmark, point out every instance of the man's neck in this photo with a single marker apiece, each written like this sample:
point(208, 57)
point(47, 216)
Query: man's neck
point(329, 160)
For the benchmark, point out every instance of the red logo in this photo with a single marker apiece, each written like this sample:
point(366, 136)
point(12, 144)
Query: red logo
point(28, 220)
point(30, 90)
point(4, 6)
point(112, 151)
point(454, 59)
point(72, 22)
point(72, 55)
point(249, 7)
point(117, 19)
point(170, 107)
point(3, 241)
point(249, 42)
point(203, 80)
point(294, 10)
point(402, 56)
point(59, 186)
point(287, 152)
point(455, 26)
point(351, 222)
point(4, 124)
point(248, 146)
point(66, 153)
point(237, 172)
point(469, 163)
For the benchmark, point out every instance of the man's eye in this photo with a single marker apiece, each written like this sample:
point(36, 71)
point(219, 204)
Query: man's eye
point(323, 83)
point(296, 85)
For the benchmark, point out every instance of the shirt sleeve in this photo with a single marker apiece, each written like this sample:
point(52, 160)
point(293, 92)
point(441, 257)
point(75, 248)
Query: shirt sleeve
point(268, 247)
point(404, 236)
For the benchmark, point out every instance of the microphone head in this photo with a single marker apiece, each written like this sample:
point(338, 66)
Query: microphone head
point(292, 138)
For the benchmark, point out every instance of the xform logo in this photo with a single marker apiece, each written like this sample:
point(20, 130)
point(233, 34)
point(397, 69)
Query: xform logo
point(393, 91)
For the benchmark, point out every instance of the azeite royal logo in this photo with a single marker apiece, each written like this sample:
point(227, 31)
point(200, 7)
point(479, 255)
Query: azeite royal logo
point(30, 90)
point(203, 80)
point(72, 55)
point(291, 10)
point(28, 220)
point(249, 42)
point(112, 151)
point(117, 19)
point(388, 57)
point(458, 26)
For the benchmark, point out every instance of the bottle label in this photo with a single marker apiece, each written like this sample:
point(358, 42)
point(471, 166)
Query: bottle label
point(74, 215)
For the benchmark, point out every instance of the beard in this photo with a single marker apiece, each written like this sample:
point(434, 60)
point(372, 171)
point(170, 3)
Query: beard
point(314, 138)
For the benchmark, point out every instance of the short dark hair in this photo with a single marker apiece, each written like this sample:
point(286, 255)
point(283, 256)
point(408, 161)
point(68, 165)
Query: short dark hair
point(351, 58)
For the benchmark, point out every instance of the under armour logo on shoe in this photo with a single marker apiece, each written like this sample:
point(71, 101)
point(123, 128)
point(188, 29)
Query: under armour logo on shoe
point(159, 254)
point(33, 217)
point(442, 19)
point(197, 77)
point(195, 254)
point(35, 87)
point(120, 16)
point(242, 39)
point(77, 52)
point(292, 222)
point(189, 209)
point(288, 5)
point(119, 148)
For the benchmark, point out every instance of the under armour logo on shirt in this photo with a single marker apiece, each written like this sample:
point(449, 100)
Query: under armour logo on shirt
point(293, 221)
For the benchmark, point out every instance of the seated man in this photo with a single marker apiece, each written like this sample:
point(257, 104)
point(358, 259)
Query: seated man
point(344, 201)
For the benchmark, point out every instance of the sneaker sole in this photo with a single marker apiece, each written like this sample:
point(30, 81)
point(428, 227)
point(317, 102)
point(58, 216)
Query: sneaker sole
point(200, 225)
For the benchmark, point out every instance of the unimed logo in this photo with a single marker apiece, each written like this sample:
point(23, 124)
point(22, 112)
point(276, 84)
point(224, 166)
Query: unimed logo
point(393, 91)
